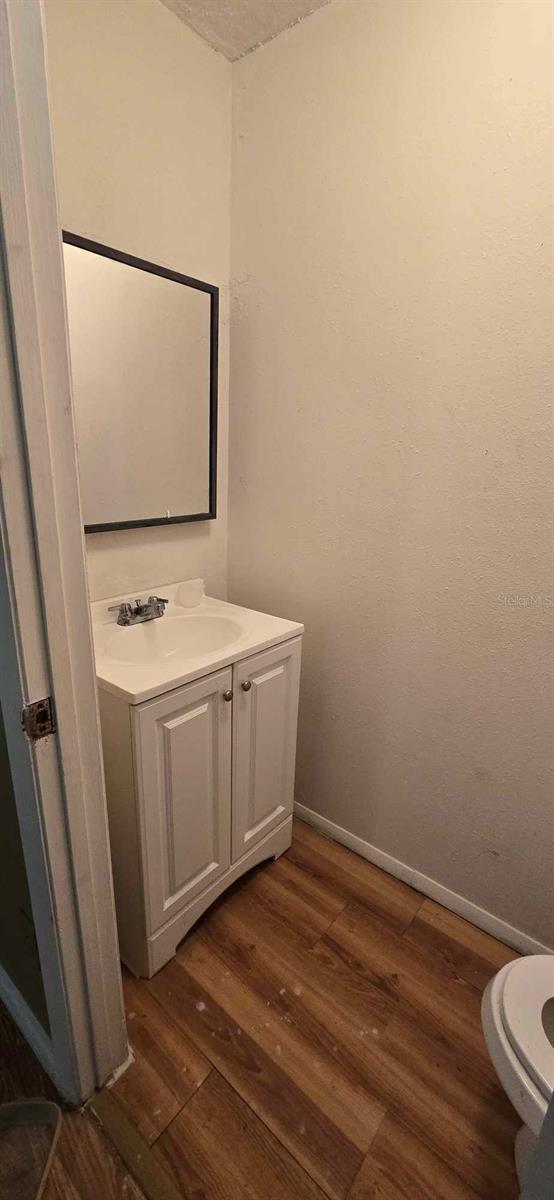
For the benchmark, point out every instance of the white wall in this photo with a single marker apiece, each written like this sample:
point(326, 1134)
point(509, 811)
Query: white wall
point(142, 133)
point(390, 423)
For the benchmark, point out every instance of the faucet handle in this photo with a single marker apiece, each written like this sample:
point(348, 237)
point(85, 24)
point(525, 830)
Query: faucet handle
point(157, 605)
point(124, 612)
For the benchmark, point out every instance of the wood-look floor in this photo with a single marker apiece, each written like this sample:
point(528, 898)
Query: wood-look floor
point(318, 1035)
point(86, 1165)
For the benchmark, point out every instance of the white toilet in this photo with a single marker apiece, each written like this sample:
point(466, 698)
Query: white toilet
point(518, 1023)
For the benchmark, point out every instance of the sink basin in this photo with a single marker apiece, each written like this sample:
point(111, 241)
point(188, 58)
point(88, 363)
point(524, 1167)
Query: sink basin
point(196, 636)
point(171, 638)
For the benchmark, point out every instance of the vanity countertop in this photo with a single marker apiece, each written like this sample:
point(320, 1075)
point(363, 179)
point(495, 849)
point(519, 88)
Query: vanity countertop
point(195, 636)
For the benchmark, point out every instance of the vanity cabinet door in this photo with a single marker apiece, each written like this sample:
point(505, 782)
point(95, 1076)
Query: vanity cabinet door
point(264, 742)
point(183, 770)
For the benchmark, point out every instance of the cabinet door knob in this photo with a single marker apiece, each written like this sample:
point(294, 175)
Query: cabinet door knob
point(246, 685)
point(227, 696)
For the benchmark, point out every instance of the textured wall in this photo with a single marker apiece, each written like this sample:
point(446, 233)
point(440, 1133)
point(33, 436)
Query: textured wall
point(141, 113)
point(390, 479)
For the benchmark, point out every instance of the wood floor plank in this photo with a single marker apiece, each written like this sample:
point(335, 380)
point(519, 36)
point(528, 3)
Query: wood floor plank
point(271, 962)
point(300, 908)
point(451, 1118)
point(167, 1069)
point(423, 1076)
point(217, 1149)
point(465, 1082)
point(86, 1167)
point(308, 887)
point(465, 952)
point(352, 879)
point(430, 1068)
point(409, 974)
point(473, 1125)
point(262, 900)
point(319, 1147)
point(134, 1151)
point(455, 1092)
point(401, 1167)
point(278, 891)
point(60, 1185)
point(283, 1028)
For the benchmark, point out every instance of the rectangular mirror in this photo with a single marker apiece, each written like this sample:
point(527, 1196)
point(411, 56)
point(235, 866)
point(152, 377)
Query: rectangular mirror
point(143, 343)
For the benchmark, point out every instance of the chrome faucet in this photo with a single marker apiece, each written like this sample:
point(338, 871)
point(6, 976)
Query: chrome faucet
point(141, 610)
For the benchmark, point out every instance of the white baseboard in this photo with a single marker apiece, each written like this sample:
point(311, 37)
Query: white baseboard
point(422, 883)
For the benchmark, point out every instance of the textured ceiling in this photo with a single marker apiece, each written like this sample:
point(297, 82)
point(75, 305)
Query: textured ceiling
point(236, 26)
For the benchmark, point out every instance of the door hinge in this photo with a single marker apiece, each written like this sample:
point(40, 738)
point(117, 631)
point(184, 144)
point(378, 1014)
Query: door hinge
point(37, 718)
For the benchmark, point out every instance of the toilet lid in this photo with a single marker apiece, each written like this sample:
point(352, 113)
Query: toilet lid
point(529, 1025)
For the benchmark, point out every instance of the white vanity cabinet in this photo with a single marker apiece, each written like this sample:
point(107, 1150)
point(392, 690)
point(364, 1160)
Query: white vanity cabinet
point(265, 699)
point(199, 782)
point(182, 751)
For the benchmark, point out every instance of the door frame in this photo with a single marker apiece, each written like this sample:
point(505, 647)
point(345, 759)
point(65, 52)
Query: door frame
point(45, 564)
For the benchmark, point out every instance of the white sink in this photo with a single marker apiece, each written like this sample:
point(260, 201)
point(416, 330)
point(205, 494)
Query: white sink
point(171, 637)
point(195, 636)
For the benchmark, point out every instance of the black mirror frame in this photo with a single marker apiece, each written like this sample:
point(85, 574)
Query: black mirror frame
point(74, 239)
